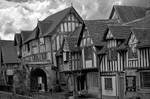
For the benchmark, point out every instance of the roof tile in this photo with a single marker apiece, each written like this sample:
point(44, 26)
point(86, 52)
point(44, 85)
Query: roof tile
point(129, 13)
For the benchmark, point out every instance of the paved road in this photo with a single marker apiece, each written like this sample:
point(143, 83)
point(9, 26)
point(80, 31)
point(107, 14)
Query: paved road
point(50, 96)
point(55, 96)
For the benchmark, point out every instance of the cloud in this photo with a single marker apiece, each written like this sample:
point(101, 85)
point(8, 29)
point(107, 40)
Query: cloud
point(23, 15)
point(17, 15)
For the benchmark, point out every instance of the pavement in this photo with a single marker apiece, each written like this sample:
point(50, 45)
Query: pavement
point(58, 95)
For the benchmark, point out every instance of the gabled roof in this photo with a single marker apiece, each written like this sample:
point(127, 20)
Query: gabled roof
point(119, 31)
point(17, 39)
point(47, 26)
point(140, 23)
point(128, 13)
point(143, 36)
point(102, 51)
point(5, 42)
point(73, 39)
point(97, 29)
point(25, 35)
point(56, 18)
point(8, 52)
point(44, 27)
point(122, 47)
point(32, 35)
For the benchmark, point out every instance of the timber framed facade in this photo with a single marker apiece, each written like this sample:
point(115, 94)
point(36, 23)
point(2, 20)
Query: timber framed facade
point(37, 49)
point(124, 60)
point(104, 58)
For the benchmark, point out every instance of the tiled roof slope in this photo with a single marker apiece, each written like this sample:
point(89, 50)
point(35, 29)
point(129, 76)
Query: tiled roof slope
point(143, 36)
point(122, 33)
point(97, 29)
point(129, 13)
point(40, 29)
point(119, 31)
point(8, 52)
point(32, 35)
point(140, 23)
point(25, 35)
point(73, 39)
point(44, 27)
point(56, 18)
point(48, 25)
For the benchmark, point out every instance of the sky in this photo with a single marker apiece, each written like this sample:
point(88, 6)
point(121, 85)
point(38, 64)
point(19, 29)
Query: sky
point(17, 15)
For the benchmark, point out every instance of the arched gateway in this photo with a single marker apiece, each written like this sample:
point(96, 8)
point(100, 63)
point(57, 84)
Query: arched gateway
point(38, 80)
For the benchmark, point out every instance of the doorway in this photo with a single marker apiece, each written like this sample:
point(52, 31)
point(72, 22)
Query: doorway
point(81, 82)
point(38, 80)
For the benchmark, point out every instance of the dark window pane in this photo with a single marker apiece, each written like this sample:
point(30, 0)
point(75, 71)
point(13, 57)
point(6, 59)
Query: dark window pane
point(145, 81)
point(108, 84)
point(88, 53)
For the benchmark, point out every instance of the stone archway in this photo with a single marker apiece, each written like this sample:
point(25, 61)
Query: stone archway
point(38, 80)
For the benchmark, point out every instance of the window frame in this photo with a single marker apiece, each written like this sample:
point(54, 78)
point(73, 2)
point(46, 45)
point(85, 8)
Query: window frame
point(109, 81)
point(91, 52)
point(141, 80)
point(133, 87)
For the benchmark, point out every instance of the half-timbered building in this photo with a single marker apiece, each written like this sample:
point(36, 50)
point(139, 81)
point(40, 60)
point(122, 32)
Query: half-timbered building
point(38, 48)
point(137, 68)
point(9, 63)
point(90, 44)
point(69, 60)
point(125, 54)
point(112, 61)
point(82, 48)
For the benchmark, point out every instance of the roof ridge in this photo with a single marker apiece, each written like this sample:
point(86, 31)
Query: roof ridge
point(128, 23)
point(56, 13)
point(127, 6)
point(141, 28)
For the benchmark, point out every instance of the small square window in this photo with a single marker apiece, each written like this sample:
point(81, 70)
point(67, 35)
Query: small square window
point(88, 53)
point(108, 84)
